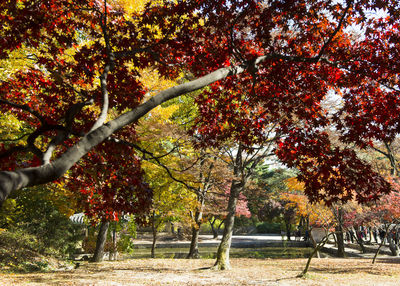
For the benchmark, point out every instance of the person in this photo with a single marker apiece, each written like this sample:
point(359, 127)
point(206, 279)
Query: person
point(382, 235)
point(375, 234)
point(298, 234)
point(359, 235)
point(306, 235)
point(348, 237)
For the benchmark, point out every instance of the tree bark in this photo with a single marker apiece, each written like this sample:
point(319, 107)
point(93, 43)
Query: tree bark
point(213, 229)
point(194, 244)
point(154, 230)
point(317, 248)
point(339, 234)
point(14, 180)
point(222, 262)
point(382, 243)
point(340, 242)
point(114, 251)
point(101, 241)
point(288, 229)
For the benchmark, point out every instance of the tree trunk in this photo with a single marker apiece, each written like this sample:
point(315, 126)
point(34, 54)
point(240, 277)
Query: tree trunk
point(214, 231)
point(340, 242)
point(317, 248)
point(381, 244)
point(315, 245)
point(194, 244)
point(339, 234)
point(288, 229)
point(154, 229)
point(114, 252)
point(101, 241)
point(222, 262)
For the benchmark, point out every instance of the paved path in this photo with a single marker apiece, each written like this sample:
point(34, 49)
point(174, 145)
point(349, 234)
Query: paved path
point(353, 250)
point(242, 241)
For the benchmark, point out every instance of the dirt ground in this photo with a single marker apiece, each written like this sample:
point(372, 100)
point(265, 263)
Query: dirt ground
point(324, 271)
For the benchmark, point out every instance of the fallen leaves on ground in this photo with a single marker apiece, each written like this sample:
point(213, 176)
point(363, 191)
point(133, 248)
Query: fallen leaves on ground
point(324, 271)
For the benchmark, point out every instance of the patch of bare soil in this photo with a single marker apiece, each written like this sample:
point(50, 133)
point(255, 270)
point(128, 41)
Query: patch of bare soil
point(325, 271)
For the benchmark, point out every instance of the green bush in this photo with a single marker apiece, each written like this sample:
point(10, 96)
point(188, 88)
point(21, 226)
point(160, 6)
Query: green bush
point(268, 227)
point(19, 251)
point(39, 216)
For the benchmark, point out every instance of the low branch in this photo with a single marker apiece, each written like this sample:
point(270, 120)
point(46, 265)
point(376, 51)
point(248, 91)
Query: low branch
point(14, 180)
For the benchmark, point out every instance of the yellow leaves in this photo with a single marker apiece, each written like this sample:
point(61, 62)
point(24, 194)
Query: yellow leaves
point(17, 60)
point(136, 6)
point(62, 198)
point(294, 184)
point(11, 129)
point(317, 213)
point(153, 82)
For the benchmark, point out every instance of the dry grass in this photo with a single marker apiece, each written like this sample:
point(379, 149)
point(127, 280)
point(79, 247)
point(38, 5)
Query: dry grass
point(326, 271)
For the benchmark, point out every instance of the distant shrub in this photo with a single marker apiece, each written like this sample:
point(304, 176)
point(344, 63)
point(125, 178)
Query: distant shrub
point(268, 227)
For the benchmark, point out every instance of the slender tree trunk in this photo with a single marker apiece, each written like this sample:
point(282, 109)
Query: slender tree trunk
point(214, 231)
point(339, 234)
point(113, 252)
point(154, 229)
point(219, 227)
point(381, 244)
point(317, 248)
point(194, 244)
point(288, 229)
point(222, 262)
point(315, 245)
point(340, 242)
point(101, 241)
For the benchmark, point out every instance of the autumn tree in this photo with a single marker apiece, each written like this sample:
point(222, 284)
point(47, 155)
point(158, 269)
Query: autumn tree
point(242, 161)
point(277, 59)
point(109, 185)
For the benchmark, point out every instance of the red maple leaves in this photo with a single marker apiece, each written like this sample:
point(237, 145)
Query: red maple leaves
point(310, 47)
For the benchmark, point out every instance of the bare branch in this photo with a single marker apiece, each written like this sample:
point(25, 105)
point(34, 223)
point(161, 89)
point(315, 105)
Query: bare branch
point(152, 157)
point(338, 27)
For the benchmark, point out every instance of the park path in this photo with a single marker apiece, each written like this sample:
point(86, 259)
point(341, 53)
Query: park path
point(239, 241)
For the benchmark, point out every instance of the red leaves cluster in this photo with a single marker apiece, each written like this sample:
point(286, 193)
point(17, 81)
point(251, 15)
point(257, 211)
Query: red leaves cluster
point(110, 183)
point(330, 174)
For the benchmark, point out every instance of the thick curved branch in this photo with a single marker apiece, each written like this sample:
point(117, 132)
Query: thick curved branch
point(14, 180)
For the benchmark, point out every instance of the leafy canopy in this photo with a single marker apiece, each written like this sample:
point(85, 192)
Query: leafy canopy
point(265, 62)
